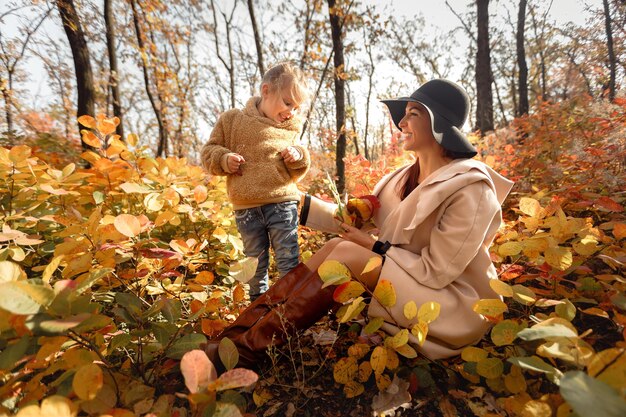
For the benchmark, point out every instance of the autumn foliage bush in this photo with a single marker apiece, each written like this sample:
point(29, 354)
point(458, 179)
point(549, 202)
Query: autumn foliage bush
point(112, 277)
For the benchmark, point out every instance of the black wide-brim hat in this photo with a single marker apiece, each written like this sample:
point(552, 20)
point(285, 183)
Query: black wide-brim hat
point(448, 105)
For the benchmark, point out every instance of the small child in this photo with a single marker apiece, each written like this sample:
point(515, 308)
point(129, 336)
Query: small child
point(257, 148)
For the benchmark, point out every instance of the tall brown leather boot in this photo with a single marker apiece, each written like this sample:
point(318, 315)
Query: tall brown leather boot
point(302, 307)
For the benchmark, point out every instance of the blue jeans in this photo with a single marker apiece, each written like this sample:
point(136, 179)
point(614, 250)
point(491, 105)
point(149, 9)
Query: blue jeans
point(275, 224)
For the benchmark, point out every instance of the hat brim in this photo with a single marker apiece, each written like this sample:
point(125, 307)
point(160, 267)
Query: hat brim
point(452, 138)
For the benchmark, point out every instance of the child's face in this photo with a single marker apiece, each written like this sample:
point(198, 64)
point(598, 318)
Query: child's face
point(278, 104)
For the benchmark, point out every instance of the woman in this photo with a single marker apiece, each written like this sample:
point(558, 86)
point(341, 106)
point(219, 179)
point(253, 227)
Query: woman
point(436, 222)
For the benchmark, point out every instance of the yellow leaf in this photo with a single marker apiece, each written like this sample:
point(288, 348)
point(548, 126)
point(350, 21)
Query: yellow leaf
point(504, 333)
point(510, 248)
point(365, 371)
point(586, 246)
point(353, 389)
point(523, 295)
point(594, 311)
point(490, 307)
point(559, 257)
point(515, 381)
point(51, 267)
point(127, 224)
point(385, 293)
point(536, 408)
point(474, 354)
point(392, 359)
point(407, 351)
point(420, 331)
point(382, 381)
point(373, 325)
point(87, 121)
point(358, 350)
point(10, 271)
point(350, 311)
point(164, 217)
point(399, 339)
point(428, 312)
point(345, 370)
point(91, 139)
point(529, 206)
point(373, 263)
point(490, 367)
point(501, 288)
point(261, 396)
point(333, 273)
point(200, 194)
point(379, 359)
point(19, 153)
point(87, 381)
point(609, 366)
point(410, 310)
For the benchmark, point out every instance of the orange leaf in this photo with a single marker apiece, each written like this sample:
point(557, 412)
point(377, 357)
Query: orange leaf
point(619, 230)
point(195, 306)
point(88, 380)
point(347, 291)
point(609, 204)
point(87, 121)
point(91, 139)
point(127, 224)
point(212, 327)
point(204, 278)
point(238, 293)
point(197, 370)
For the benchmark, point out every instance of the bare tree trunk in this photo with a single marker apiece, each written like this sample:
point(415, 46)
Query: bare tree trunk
point(542, 57)
point(355, 137)
point(484, 97)
point(82, 65)
point(109, 23)
point(609, 46)
point(370, 77)
point(156, 107)
point(230, 65)
point(340, 102)
point(521, 61)
point(257, 38)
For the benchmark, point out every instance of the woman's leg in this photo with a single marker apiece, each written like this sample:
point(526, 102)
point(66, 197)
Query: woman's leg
point(354, 256)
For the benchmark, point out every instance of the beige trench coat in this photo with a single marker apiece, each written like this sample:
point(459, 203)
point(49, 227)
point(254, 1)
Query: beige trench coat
point(441, 235)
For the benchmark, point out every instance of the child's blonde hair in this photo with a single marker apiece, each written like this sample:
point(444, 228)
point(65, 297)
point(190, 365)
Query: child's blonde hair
point(286, 75)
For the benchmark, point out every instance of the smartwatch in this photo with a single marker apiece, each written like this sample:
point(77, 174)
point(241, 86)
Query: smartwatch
point(381, 248)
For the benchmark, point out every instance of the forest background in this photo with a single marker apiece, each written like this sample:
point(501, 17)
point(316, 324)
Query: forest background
point(118, 255)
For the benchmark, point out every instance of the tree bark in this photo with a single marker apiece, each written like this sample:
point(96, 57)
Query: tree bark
point(156, 107)
point(257, 38)
point(609, 46)
point(82, 65)
point(484, 97)
point(109, 23)
point(522, 84)
point(340, 105)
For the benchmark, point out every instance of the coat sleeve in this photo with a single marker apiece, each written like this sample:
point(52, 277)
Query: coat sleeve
point(298, 169)
point(461, 232)
point(214, 152)
point(319, 215)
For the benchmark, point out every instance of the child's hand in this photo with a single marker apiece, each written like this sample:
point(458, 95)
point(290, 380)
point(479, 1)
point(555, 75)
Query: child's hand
point(234, 163)
point(291, 154)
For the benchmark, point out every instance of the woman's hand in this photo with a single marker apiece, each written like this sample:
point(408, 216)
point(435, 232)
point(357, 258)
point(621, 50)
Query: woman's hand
point(357, 236)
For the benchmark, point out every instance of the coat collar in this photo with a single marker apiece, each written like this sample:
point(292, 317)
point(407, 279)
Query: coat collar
point(433, 191)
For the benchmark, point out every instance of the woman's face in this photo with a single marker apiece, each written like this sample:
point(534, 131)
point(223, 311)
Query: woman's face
point(415, 126)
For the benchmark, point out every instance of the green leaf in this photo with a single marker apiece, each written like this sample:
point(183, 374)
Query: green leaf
point(94, 276)
point(373, 325)
point(505, 332)
point(163, 332)
point(544, 332)
point(22, 297)
point(92, 323)
point(228, 353)
point(591, 397)
point(534, 363)
point(130, 302)
point(490, 367)
point(62, 325)
point(13, 353)
point(98, 197)
point(185, 344)
point(566, 310)
point(119, 341)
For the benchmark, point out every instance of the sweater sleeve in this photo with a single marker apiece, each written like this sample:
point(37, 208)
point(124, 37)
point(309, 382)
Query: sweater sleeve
point(454, 241)
point(319, 215)
point(298, 169)
point(214, 152)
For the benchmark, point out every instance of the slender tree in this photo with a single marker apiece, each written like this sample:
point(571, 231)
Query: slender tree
point(484, 97)
point(109, 22)
point(257, 38)
point(82, 64)
point(230, 64)
point(611, 51)
point(522, 84)
point(340, 101)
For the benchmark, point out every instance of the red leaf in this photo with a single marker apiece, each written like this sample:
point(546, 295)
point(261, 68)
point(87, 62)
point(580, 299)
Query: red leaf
point(609, 204)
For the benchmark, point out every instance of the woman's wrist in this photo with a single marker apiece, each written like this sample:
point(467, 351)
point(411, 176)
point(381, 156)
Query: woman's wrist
point(381, 247)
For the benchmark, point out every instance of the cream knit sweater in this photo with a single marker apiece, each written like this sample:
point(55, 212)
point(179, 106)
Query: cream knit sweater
point(266, 177)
